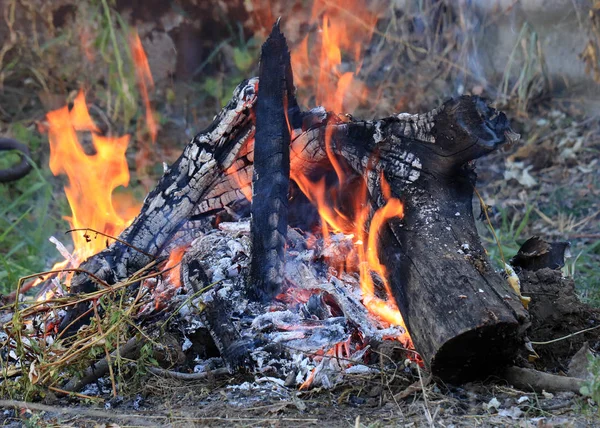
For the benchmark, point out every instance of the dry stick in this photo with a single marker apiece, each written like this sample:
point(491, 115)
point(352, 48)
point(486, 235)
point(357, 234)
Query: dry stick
point(97, 232)
point(489, 222)
point(188, 376)
point(10, 298)
point(129, 350)
point(108, 359)
point(68, 410)
point(425, 400)
point(114, 415)
point(95, 294)
point(539, 381)
point(74, 394)
point(565, 337)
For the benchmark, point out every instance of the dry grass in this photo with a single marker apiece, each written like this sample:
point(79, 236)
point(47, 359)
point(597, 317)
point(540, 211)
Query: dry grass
point(41, 360)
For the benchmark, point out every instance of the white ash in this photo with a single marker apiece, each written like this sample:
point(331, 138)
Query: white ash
point(360, 369)
point(205, 365)
point(187, 344)
point(311, 341)
point(235, 227)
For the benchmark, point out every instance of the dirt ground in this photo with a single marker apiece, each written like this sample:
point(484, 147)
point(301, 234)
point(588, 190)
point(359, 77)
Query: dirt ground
point(358, 403)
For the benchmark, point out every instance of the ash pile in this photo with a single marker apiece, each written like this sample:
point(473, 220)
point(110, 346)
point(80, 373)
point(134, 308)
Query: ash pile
point(313, 332)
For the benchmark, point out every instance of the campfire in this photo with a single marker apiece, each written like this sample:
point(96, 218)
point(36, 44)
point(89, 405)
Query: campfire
point(285, 242)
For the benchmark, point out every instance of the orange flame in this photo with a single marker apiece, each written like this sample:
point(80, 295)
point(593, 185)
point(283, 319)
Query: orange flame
point(144, 80)
point(165, 290)
point(145, 83)
point(345, 30)
point(91, 178)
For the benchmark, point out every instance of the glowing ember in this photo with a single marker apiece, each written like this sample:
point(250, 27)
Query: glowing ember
point(164, 290)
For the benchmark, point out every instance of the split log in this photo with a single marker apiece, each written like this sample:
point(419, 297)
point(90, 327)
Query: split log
point(187, 183)
point(271, 176)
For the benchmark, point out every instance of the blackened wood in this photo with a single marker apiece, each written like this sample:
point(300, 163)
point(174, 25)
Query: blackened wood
point(217, 316)
point(183, 186)
point(271, 176)
point(130, 350)
point(462, 316)
point(536, 253)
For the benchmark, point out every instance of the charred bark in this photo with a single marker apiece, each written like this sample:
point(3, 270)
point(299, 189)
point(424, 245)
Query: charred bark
point(271, 176)
point(190, 180)
point(463, 317)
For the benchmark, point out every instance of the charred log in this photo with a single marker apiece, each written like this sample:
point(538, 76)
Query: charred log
point(271, 177)
point(537, 254)
point(178, 193)
point(463, 317)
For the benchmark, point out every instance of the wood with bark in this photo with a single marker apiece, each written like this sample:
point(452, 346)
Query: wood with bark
point(131, 349)
point(464, 319)
point(528, 379)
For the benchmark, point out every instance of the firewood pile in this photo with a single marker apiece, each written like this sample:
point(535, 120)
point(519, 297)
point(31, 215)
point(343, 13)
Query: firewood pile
point(207, 281)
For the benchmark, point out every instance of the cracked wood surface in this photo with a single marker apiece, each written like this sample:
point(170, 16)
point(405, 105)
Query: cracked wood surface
point(183, 186)
point(463, 317)
point(271, 174)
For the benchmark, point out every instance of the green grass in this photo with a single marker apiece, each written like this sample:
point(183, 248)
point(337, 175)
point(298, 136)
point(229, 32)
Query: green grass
point(512, 231)
point(30, 213)
point(586, 270)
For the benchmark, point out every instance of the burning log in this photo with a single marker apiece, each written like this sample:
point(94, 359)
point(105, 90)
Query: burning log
point(190, 181)
point(437, 264)
point(463, 317)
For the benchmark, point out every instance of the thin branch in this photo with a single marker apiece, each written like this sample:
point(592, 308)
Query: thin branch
point(97, 232)
point(188, 376)
point(565, 337)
